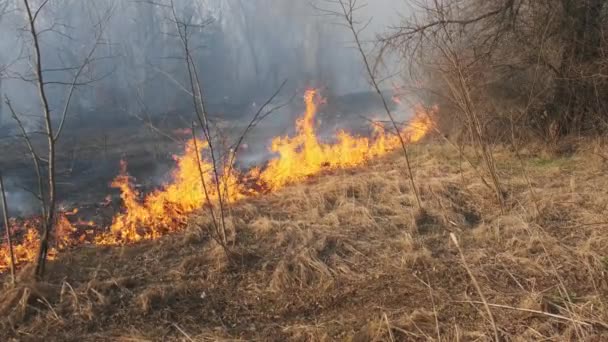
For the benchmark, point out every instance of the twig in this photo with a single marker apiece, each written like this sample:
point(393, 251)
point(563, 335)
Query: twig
point(428, 285)
point(183, 332)
point(217, 236)
point(477, 287)
point(72, 86)
point(35, 158)
point(348, 8)
point(564, 318)
point(257, 118)
point(7, 228)
point(388, 326)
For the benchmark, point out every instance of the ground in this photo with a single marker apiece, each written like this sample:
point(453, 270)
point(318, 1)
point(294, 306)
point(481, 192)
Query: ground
point(349, 256)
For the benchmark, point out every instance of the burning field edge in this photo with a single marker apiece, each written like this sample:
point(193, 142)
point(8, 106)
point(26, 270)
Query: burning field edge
point(347, 256)
point(164, 211)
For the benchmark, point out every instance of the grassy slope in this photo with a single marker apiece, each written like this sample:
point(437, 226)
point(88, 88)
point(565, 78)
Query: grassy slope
point(347, 257)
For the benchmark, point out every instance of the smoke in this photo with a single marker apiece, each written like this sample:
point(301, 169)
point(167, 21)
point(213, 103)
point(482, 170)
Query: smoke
point(19, 202)
point(244, 50)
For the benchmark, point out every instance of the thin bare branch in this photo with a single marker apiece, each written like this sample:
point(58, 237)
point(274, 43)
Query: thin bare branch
point(7, 228)
point(346, 14)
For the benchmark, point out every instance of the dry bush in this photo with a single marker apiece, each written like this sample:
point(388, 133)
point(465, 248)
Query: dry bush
point(532, 69)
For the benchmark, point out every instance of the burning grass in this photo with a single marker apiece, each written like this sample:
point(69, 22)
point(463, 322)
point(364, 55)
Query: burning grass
point(347, 256)
point(194, 183)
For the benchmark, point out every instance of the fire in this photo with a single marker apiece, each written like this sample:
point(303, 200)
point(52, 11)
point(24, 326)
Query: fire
point(166, 209)
point(26, 250)
point(302, 156)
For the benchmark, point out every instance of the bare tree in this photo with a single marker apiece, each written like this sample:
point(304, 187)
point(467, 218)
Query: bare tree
point(47, 187)
point(222, 160)
point(49, 201)
point(346, 12)
point(438, 43)
point(184, 30)
point(488, 59)
point(552, 52)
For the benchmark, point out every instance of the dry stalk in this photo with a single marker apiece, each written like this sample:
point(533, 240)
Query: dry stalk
point(560, 317)
point(462, 97)
point(562, 286)
point(428, 285)
point(389, 328)
point(523, 168)
point(463, 155)
point(7, 229)
point(477, 287)
point(348, 9)
point(198, 100)
point(218, 235)
point(183, 332)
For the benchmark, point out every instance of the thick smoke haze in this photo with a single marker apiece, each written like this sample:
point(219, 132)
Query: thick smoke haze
point(244, 49)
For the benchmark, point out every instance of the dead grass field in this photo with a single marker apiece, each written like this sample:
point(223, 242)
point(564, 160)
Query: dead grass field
point(346, 256)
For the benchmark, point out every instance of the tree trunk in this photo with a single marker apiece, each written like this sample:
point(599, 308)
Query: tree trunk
point(575, 95)
point(48, 221)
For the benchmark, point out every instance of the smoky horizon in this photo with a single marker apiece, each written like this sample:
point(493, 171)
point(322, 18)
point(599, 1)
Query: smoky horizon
point(126, 61)
point(243, 50)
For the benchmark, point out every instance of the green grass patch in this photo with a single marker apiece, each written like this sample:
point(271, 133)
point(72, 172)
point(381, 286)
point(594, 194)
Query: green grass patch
point(543, 163)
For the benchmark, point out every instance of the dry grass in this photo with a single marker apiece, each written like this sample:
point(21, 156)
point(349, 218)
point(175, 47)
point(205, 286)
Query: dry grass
point(347, 256)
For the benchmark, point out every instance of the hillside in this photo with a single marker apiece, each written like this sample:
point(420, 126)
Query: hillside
point(347, 256)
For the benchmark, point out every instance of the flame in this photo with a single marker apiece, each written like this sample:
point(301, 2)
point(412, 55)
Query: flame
point(303, 155)
point(24, 252)
point(166, 209)
point(26, 249)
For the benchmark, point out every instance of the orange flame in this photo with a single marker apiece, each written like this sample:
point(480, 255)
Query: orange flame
point(166, 210)
point(26, 249)
point(303, 155)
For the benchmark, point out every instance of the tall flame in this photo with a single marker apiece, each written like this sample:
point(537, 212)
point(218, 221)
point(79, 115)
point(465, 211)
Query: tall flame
point(166, 210)
point(303, 155)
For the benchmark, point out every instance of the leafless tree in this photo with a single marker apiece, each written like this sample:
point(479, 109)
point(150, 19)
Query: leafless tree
point(46, 167)
point(544, 59)
point(184, 29)
point(222, 161)
point(346, 10)
point(437, 39)
point(508, 65)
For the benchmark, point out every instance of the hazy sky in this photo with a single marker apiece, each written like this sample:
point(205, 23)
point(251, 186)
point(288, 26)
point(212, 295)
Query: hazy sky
point(250, 48)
